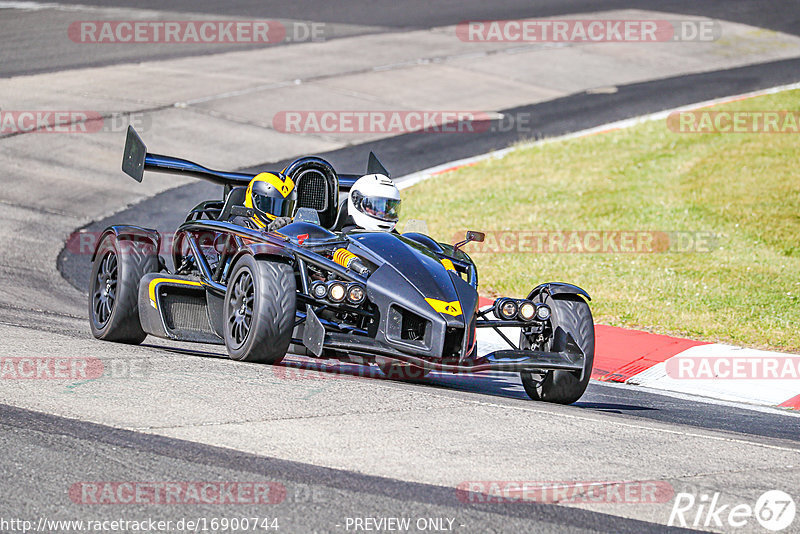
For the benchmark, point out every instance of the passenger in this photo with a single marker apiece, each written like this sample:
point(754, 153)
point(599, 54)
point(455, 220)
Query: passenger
point(373, 204)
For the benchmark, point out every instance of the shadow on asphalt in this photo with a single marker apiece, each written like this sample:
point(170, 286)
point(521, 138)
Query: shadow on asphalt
point(312, 374)
point(295, 367)
point(611, 407)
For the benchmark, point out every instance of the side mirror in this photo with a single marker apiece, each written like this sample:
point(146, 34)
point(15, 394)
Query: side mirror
point(478, 237)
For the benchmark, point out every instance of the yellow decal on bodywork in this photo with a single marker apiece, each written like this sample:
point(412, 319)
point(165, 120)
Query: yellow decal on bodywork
point(448, 264)
point(450, 308)
point(156, 281)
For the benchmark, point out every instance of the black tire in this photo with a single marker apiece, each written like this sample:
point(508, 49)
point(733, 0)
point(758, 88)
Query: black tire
point(259, 310)
point(402, 371)
point(570, 313)
point(118, 268)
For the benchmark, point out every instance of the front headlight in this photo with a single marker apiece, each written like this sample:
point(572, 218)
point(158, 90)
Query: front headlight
point(505, 309)
point(543, 312)
point(336, 292)
point(527, 311)
point(356, 294)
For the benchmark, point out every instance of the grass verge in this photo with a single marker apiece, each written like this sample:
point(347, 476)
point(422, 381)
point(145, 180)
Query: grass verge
point(744, 189)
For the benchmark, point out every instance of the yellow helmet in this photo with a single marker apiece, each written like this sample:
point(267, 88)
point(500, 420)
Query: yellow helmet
point(270, 195)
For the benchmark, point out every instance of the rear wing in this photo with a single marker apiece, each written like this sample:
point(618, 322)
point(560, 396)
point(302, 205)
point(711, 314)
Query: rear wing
point(136, 160)
point(374, 166)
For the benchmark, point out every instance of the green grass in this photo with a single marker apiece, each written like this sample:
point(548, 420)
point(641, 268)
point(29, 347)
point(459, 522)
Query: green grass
point(745, 188)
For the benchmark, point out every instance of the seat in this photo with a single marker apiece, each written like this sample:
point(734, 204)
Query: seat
point(317, 187)
point(235, 198)
point(342, 216)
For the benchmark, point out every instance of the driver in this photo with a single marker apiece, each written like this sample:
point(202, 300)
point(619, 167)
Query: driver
point(373, 204)
point(273, 197)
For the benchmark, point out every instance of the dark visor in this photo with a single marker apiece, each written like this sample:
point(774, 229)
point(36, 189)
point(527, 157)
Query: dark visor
point(275, 206)
point(385, 209)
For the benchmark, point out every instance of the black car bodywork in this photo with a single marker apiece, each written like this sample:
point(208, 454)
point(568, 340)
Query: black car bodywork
point(420, 297)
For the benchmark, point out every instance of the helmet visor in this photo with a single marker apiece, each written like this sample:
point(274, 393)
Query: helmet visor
point(384, 209)
point(276, 206)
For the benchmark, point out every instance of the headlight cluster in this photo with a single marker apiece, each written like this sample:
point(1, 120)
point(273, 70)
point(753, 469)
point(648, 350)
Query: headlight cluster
point(338, 292)
point(509, 309)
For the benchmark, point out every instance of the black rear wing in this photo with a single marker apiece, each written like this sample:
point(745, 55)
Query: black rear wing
point(136, 160)
point(374, 166)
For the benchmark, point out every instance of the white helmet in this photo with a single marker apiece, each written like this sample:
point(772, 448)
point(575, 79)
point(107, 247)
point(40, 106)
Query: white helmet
point(374, 203)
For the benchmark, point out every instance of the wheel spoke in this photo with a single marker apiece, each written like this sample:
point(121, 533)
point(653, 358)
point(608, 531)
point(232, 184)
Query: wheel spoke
point(105, 288)
point(240, 307)
point(239, 336)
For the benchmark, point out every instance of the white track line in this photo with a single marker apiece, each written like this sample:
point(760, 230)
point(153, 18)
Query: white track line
point(772, 410)
point(40, 6)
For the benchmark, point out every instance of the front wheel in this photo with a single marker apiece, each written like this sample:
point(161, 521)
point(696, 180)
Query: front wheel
point(570, 314)
point(259, 310)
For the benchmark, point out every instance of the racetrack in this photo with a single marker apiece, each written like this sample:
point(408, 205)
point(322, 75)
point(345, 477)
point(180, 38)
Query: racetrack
point(343, 445)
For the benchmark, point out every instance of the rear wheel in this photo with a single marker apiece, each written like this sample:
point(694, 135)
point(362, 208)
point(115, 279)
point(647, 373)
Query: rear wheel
point(570, 314)
point(117, 270)
point(259, 310)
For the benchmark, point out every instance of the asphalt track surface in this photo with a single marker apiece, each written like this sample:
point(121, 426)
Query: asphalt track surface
point(413, 152)
point(780, 15)
point(318, 497)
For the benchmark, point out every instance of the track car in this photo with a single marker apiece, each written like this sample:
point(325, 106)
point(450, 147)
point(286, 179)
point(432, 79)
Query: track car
point(405, 302)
